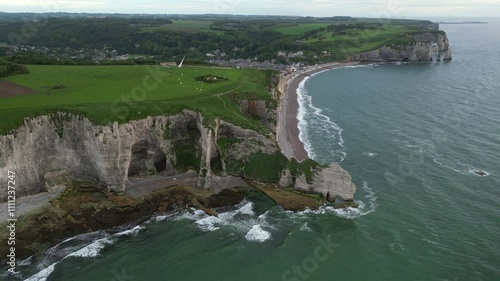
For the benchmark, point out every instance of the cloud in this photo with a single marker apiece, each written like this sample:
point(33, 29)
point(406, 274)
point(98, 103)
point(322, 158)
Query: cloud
point(52, 5)
point(360, 8)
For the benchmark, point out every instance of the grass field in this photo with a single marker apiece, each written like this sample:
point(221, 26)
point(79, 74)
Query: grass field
point(2, 44)
point(182, 26)
point(300, 28)
point(123, 93)
point(360, 40)
point(386, 32)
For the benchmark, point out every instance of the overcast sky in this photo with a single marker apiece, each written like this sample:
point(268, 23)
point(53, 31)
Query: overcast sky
point(360, 8)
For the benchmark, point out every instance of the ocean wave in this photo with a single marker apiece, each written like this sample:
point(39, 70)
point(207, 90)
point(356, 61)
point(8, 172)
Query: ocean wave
point(132, 231)
point(242, 221)
point(458, 166)
point(257, 234)
point(447, 167)
point(419, 146)
point(371, 65)
point(370, 154)
point(209, 223)
point(89, 251)
point(313, 121)
point(305, 227)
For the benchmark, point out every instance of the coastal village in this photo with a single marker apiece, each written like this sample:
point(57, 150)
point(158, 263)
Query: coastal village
point(216, 57)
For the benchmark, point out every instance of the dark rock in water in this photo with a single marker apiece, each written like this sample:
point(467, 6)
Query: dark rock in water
point(228, 197)
point(480, 173)
point(346, 204)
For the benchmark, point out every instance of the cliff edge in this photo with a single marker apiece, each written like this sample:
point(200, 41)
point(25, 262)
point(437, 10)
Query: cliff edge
point(53, 152)
point(417, 47)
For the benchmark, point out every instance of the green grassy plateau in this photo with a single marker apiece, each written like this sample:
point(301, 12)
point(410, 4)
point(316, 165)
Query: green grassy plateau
point(122, 93)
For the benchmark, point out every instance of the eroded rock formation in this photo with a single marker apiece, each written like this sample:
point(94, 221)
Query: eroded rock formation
point(52, 152)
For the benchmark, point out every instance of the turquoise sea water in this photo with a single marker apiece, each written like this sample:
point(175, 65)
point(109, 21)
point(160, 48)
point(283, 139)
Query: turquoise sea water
point(411, 136)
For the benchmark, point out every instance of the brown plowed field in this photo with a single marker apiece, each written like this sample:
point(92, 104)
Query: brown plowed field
point(8, 89)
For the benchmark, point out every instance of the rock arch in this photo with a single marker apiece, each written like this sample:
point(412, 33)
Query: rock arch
point(146, 158)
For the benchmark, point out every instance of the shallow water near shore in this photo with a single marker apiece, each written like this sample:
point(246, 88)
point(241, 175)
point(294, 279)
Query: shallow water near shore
point(413, 137)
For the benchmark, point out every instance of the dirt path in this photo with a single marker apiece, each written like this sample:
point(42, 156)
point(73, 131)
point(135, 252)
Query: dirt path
point(27, 203)
point(138, 187)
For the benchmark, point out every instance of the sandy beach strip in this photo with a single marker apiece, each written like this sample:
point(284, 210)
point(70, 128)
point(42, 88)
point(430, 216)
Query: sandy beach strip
point(288, 130)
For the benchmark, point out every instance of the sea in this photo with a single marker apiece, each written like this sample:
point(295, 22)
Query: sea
point(422, 143)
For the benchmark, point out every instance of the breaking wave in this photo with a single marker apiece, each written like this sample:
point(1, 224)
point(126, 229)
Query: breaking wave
point(242, 220)
point(88, 251)
point(312, 121)
point(366, 206)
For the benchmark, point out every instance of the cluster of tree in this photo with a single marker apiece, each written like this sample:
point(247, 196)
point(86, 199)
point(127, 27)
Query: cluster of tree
point(8, 68)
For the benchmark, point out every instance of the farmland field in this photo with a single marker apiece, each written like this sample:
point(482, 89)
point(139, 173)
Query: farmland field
point(122, 93)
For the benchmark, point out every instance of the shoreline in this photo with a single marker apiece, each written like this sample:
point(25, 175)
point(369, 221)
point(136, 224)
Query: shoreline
point(288, 132)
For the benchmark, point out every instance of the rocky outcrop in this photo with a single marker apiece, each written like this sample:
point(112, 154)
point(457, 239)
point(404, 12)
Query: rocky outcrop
point(330, 182)
point(425, 46)
point(248, 142)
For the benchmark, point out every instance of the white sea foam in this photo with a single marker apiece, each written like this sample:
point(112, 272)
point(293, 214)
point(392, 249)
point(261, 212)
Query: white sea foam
point(160, 218)
point(305, 227)
point(209, 223)
point(195, 215)
point(130, 231)
point(257, 234)
point(312, 118)
point(241, 219)
point(247, 209)
point(446, 166)
point(458, 166)
point(371, 65)
point(319, 72)
point(370, 154)
point(91, 250)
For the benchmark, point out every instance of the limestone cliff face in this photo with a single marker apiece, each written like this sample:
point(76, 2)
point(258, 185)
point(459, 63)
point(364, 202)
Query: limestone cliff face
point(425, 46)
point(330, 182)
point(50, 152)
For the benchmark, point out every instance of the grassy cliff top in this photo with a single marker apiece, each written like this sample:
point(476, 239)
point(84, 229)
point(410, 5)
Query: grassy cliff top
point(121, 93)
